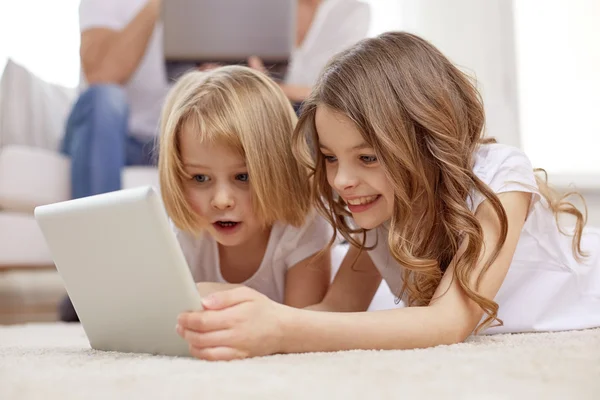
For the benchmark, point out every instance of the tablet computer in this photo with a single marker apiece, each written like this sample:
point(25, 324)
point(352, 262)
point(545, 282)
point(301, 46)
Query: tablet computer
point(123, 269)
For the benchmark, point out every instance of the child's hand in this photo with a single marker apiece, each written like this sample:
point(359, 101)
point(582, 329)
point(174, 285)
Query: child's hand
point(207, 288)
point(236, 323)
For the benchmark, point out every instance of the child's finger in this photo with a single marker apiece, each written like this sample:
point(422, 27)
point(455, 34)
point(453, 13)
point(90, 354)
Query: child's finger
point(217, 353)
point(229, 298)
point(204, 321)
point(205, 340)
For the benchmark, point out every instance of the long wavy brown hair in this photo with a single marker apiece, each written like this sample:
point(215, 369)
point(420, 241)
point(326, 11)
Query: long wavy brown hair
point(424, 119)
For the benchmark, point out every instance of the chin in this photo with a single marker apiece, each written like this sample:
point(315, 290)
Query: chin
point(368, 222)
point(229, 241)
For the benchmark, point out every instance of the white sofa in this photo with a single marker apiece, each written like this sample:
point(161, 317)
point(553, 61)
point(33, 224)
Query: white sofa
point(29, 285)
point(32, 173)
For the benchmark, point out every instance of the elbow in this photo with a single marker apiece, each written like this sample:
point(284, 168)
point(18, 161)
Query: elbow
point(459, 332)
point(449, 336)
point(453, 324)
point(458, 335)
point(452, 329)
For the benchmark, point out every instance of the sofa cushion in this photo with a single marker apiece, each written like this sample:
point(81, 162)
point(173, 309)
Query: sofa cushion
point(33, 112)
point(30, 177)
point(21, 242)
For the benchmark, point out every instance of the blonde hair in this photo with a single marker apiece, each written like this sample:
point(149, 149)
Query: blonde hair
point(424, 119)
point(248, 112)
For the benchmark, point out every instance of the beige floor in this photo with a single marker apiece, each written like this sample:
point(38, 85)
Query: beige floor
point(54, 361)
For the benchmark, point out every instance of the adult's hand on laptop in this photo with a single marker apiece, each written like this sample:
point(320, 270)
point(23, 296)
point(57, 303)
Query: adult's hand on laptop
point(208, 66)
point(256, 63)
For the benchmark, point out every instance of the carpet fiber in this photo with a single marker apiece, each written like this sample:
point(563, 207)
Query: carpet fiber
point(54, 361)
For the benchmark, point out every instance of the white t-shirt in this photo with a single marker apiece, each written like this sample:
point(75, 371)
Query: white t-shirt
point(545, 289)
point(287, 246)
point(337, 25)
point(147, 88)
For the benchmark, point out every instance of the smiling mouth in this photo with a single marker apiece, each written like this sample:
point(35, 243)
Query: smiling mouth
point(361, 201)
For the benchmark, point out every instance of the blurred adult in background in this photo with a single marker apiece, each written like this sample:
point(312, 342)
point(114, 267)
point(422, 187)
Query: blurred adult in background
point(123, 85)
point(324, 28)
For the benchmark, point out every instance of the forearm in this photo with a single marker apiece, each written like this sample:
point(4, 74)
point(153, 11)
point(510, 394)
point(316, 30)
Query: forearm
point(327, 306)
point(308, 298)
point(118, 59)
point(407, 328)
point(319, 307)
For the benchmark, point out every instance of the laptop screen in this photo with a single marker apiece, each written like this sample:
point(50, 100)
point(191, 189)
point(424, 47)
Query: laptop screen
point(227, 32)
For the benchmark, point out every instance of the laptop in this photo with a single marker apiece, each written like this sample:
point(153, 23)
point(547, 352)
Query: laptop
point(123, 269)
point(227, 32)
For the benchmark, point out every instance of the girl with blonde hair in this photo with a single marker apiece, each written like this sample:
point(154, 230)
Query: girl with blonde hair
point(238, 200)
point(460, 227)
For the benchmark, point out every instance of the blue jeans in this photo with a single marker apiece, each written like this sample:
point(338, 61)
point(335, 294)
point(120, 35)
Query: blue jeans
point(98, 142)
point(99, 145)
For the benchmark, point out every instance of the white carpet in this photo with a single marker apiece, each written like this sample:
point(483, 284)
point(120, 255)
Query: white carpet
point(54, 361)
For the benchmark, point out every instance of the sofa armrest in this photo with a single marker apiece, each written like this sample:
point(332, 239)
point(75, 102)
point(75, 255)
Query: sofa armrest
point(30, 177)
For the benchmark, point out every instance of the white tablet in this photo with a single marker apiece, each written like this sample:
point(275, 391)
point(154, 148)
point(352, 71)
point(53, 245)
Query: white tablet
point(123, 269)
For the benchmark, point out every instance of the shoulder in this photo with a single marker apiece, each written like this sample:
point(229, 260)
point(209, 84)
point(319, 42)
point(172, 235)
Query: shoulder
point(503, 169)
point(332, 13)
point(112, 14)
point(294, 244)
point(314, 226)
point(346, 7)
point(492, 161)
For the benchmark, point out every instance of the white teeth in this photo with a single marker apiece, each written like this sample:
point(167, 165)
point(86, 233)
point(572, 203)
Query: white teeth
point(226, 223)
point(362, 200)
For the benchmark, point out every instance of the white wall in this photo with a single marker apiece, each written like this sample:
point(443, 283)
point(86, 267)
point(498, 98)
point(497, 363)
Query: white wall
point(477, 35)
point(593, 202)
point(558, 65)
point(43, 36)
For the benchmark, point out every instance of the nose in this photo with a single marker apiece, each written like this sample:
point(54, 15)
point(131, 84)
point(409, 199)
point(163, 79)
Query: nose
point(223, 198)
point(345, 178)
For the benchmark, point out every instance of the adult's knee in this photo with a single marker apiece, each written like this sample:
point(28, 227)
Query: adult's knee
point(106, 99)
point(102, 111)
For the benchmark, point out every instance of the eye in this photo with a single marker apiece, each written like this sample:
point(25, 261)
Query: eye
point(242, 177)
point(368, 159)
point(329, 159)
point(201, 178)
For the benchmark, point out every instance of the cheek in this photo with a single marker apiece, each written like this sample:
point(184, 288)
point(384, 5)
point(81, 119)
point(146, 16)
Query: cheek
point(330, 174)
point(245, 201)
point(197, 201)
point(386, 189)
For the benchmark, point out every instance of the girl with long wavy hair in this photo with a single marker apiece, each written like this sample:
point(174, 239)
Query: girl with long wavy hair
point(463, 229)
